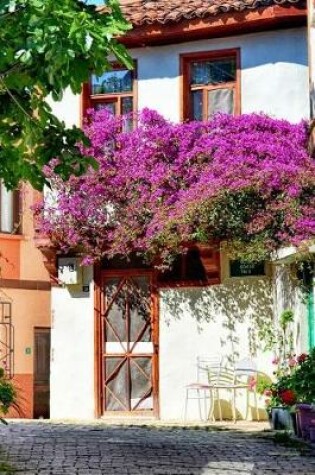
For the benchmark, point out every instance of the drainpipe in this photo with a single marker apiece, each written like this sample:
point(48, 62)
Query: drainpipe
point(311, 54)
point(311, 317)
point(311, 68)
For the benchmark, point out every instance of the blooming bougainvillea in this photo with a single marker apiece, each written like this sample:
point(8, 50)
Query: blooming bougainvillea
point(246, 180)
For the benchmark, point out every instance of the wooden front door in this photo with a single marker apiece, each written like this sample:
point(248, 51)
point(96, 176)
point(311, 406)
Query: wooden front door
point(130, 343)
point(41, 373)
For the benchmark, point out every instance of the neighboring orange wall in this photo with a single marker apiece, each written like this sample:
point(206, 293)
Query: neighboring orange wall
point(10, 251)
point(31, 261)
point(21, 261)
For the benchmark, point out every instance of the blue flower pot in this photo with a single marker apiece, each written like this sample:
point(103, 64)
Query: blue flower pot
point(283, 419)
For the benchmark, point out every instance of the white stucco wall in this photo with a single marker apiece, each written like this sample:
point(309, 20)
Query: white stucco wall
point(72, 352)
point(288, 295)
point(274, 75)
point(68, 109)
point(222, 320)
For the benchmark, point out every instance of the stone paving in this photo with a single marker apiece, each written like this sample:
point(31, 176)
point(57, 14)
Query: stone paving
point(69, 449)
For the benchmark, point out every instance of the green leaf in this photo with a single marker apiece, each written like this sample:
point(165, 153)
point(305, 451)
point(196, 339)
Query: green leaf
point(47, 46)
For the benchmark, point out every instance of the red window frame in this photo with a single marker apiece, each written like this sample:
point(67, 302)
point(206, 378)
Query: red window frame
point(88, 100)
point(186, 61)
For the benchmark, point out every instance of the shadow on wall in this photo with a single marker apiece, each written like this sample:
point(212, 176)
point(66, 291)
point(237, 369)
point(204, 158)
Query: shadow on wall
point(285, 288)
point(288, 295)
point(243, 301)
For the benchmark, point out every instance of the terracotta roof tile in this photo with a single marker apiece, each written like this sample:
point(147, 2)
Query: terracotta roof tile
point(141, 12)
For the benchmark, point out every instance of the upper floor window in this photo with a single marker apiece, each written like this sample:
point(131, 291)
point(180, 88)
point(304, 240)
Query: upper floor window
point(9, 210)
point(113, 90)
point(199, 266)
point(211, 84)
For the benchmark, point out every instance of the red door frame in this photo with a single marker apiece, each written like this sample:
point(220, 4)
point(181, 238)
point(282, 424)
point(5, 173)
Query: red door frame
point(99, 277)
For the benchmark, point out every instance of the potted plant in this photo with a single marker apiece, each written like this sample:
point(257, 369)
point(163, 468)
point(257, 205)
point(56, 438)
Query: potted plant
point(303, 382)
point(281, 404)
point(294, 392)
point(281, 396)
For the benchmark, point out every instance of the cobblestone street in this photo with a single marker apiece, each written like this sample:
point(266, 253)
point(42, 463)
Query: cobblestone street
point(55, 449)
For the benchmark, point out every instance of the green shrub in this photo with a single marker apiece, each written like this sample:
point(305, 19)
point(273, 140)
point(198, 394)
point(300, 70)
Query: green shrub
point(8, 395)
point(263, 382)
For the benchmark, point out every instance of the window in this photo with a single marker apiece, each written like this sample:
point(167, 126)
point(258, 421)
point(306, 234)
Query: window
point(210, 84)
point(197, 267)
point(186, 267)
point(9, 210)
point(113, 90)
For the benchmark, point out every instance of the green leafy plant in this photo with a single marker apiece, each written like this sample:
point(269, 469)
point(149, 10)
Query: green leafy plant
point(47, 47)
point(8, 395)
point(286, 317)
point(5, 468)
point(263, 383)
point(297, 385)
point(303, 378)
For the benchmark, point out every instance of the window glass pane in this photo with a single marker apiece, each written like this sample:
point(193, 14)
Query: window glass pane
point(141, 383)
point(220, 100)
point(174, 273)
point(6, 210)
point(127, 108)
point(110, 106)
point(126, 105)
point(112, 82)
point(213, 72)
point(194, 266)
point(140, 309)
point(196, 105)
point(115, 322)
point(116, 384)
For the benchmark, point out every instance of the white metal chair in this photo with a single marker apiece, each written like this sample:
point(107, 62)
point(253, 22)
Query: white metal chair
point(201, 389)
point(221, 380)
point(232, 379)
point(246, 371)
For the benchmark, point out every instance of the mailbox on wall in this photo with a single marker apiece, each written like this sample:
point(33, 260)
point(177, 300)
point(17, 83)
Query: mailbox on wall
point(69, 271)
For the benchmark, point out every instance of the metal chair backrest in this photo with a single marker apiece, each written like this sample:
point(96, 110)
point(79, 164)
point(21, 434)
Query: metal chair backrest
point(245, 367)
point(224, 377)
point(204, 363)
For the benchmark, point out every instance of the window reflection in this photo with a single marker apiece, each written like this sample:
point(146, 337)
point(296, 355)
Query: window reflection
point(112, 82)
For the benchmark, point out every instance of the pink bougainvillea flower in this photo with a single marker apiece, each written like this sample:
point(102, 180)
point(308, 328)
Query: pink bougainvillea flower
point(246, 180)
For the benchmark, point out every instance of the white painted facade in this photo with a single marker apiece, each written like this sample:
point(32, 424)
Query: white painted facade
point(269, 61)
point(288, 295)
point(217, 319)
point(72, 351)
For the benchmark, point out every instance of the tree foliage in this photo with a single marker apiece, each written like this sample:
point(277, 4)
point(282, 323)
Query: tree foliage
point(247, 180)
point(46, 47)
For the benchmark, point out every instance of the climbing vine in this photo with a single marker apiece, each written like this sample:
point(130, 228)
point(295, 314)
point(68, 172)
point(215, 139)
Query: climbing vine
point(247, 180)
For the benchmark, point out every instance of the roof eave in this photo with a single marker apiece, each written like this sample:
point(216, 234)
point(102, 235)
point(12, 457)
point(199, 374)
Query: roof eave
point(225, 24)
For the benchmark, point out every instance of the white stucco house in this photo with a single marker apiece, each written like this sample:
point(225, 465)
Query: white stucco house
point(191, 59)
